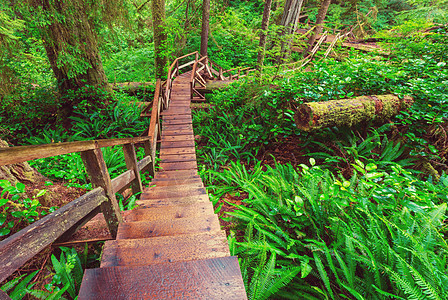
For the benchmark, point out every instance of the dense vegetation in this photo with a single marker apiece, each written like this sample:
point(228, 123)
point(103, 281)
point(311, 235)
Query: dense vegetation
point(339, 213)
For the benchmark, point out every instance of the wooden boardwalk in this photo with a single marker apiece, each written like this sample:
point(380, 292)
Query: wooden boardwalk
point(172, 246)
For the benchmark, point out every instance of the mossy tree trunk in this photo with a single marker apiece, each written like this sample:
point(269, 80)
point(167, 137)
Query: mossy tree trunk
point(321, 14)
point(348, 112)
point(205, 26)
point(21, 172)
point(264, 33)
point(160, 37)
point(71, 44)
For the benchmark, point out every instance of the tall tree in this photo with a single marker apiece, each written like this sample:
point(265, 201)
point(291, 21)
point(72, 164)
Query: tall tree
point(321, 14)
point(205, 26)
point(263, 32)
point(160, 36)
point(67, 28)
point(290, 18)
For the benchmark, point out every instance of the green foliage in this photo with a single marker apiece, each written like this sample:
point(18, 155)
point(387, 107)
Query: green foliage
point(16, 209)
point(68, 270)
point(70, 167)
point(376, 235)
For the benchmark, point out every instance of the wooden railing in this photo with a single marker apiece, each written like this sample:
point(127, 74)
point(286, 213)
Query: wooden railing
point(61, 224)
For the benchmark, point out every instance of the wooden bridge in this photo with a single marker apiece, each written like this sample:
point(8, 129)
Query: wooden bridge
point(171, 246)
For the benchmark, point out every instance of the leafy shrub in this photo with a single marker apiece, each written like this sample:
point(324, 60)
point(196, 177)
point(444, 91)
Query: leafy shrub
point(18, 210)
point(385, 225)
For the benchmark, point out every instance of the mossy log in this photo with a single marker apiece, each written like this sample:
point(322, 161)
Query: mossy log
point(348, 112)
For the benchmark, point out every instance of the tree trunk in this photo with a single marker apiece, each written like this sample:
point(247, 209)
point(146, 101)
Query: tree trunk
point(321, 14)
point(71, 45)
point(291, 13)
point(205, 26)
point(21, 172)
point(348, 112)
point(160, 37)
point(264, 33)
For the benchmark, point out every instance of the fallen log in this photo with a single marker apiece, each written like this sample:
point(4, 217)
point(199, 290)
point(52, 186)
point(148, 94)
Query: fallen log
point(348, 112)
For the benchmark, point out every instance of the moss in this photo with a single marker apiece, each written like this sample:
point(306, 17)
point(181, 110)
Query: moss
point(347, 112)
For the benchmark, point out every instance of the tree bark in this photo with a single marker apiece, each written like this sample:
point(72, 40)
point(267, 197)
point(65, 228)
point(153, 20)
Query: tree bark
point(205, 26)
point(70, 42)
point(263, 33)
point(348, 112)
point(21, 172)
point(160, 37)
point(321, 14)
point(291, 14)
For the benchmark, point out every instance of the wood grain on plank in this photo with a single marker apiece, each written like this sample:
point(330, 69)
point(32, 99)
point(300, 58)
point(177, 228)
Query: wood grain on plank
point(170, 212)
point(164, 227)
point(211, 279)
point(156, 250)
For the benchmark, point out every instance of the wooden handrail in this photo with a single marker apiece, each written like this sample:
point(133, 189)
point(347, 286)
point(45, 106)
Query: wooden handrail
point(13, 155)
point(21, 246)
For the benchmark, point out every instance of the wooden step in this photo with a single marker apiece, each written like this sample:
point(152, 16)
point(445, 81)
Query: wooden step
point(172, 166)
point(177, 122)
point(177, 127)
point(174, 174)
point(177, 111)
point(164, 249)
point(177, 181)
point(178, 144)
point(177, 157)
point(180, 187)
point(161, 193)
point(176, 116)
point(177, 151)
point(177, 138)
point(172, 201)
point(177, 132)
point(210, 279)
point(166, 212)
point(147, 229)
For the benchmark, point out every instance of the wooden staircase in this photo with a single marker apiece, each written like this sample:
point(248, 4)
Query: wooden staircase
point(172, 246)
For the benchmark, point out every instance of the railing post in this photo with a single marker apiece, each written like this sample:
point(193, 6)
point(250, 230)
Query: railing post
point(196, 56)
point(99, 176)
point(177, 67)
point(149, 152)
point(220, 73)
point(131, 164)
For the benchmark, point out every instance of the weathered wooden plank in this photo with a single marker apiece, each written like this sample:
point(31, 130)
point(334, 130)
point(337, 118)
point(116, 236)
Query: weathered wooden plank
point(177, 122)
point(169, 127)
point(211, 279)
point(20, 247)
point(174, 138)
point(122, 181)
point(177, 132)
point(162, 250)
point(177, 151)
point(175, 174)
point(99, 176)
point(179, 144)
point(178, 158)
point(188, 210)
point(155, 187)
point(163, 193)
point(183, 165)
point(13, 155)
point(132, 164)
point(177, 226)
point(176, 181)
point(198, 199)
point(177, 116)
